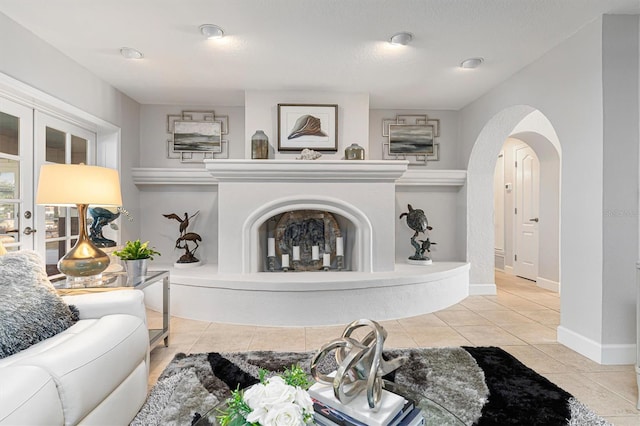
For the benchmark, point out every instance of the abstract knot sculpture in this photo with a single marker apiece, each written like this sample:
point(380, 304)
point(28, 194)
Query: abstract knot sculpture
point(360, 364)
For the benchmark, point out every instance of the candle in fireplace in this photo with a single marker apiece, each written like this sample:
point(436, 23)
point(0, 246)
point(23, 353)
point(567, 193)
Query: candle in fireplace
point(339, 246)
point(326, 259)
point(285, 260)
point(296, 252)
point(271, 247)
point(315, 253)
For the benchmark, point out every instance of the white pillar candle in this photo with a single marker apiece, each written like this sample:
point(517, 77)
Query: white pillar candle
point(296, 252)
point(326, 259)
point(285, 260)
point(339, 247)
point(315, 253)
point(271, 247)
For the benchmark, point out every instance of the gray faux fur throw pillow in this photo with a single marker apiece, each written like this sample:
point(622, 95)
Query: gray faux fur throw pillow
point(30, 308)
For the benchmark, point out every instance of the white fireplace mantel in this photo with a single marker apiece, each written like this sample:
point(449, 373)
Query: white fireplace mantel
point(305, 170)
point(237, 170)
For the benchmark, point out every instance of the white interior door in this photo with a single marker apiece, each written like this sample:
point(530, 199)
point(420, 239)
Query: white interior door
point(16, 176)
point(527, 211)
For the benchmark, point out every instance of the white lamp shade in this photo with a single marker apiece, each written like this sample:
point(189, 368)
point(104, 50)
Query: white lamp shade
point(72, 184)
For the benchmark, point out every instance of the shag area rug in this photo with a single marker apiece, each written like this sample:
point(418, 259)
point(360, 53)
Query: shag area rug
point(478, 385)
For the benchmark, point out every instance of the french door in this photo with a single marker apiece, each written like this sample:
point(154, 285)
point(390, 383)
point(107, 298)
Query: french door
point(60, 142)
point(16, 176)
point(28, 139)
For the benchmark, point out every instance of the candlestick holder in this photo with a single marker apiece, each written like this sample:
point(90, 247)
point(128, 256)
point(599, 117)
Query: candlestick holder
point(296, 265)
point(326, 268)
point(340, 262)
point(271, 263)
point(285, 269)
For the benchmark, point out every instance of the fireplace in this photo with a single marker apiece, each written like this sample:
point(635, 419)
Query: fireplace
point(359, 194)
point(253, 198)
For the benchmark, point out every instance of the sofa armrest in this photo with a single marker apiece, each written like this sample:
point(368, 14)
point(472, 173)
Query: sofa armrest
point(97, 305)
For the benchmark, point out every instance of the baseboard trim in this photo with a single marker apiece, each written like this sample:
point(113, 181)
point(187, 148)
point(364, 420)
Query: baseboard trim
point(508, 269)
point(613, 354)
point(548, 284)
point(482, 289)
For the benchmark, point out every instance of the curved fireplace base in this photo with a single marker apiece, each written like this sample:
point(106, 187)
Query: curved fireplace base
point(315, 298)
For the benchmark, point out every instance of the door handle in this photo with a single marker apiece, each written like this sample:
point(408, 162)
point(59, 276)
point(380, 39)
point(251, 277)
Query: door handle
point(28, 230)
point(535, 219)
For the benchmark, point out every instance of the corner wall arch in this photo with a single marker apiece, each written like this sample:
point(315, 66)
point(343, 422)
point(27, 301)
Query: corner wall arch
point(522, 121)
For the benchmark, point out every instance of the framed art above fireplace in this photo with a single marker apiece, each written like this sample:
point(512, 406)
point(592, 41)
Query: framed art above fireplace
point(312, 126)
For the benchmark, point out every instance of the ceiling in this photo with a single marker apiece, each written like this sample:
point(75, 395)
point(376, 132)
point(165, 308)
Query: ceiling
point(311, 45)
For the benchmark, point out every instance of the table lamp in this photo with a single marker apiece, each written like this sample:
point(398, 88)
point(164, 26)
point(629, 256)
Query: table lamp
point(79, 185)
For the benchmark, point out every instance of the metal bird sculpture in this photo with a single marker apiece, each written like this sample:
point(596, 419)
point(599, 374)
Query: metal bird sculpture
point(184, 223)
point(185, 237)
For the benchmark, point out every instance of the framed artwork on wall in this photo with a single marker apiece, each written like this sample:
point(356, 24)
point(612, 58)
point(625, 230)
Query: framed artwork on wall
point(410, 139)
point(309, 126)
point(197, 136)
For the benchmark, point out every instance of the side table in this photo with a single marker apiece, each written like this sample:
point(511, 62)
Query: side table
point(119, 281)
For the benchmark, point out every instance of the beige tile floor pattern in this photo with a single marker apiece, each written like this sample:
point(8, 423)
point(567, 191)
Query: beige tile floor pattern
point(521, 319)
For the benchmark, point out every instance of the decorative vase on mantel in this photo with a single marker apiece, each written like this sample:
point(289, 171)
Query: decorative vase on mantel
point(354, 152)
point(259, 146)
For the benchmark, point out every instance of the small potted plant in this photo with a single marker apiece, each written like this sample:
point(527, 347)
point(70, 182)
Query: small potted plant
point(135, 254)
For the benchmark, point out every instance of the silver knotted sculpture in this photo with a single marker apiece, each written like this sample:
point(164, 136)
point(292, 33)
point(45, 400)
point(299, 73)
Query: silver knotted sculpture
point(360, 364)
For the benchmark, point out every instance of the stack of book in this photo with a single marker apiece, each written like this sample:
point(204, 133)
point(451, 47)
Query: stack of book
point(395, 410)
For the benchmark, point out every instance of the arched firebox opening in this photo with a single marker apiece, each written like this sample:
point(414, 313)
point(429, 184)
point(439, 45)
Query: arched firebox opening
point(308, 222)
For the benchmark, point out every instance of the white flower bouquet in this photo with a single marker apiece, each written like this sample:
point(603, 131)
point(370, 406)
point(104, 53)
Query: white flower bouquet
point(275, 401)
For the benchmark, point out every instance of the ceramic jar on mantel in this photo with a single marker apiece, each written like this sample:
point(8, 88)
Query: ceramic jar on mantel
point(259, 146)
point(354, 152)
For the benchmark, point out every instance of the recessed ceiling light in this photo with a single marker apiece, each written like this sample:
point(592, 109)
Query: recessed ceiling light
point(131, 53)
point(211, 31)
point(471, 63)
point(401, 39)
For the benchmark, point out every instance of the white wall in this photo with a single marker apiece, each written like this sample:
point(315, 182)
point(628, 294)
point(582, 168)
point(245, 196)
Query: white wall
point(29, 59)
point(439, 203)
point(180, 199)
point(566, 86)
point(261, 113)
point(620, 202)
point(154, 135)
point(449, 136)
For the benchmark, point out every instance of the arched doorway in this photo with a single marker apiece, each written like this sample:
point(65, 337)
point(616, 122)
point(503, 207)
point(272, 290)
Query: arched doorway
point(531, 126)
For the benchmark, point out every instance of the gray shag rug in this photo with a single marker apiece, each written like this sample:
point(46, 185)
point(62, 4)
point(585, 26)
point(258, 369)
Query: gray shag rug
point(478, 385)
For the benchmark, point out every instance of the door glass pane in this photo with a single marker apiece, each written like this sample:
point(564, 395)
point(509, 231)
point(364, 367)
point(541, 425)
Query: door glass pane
point(54, 219)
point(9, 134)
point(73, 212)
point(54, 251)
point(78, 150)
point(9, 223)
point(55, 146)
point(9, 179)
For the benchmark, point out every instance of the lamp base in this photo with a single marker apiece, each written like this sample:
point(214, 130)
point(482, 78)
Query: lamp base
point(84, 259)
point(83, 282)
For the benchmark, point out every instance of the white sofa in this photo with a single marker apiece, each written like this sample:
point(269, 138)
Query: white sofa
point(95, 372)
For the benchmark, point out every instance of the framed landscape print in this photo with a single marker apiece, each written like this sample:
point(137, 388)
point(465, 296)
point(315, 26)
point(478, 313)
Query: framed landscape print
point(309, 126)
point(197, 136)
point(411, 139)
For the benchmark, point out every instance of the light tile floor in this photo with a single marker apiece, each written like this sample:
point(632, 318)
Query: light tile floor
point(521, 319)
